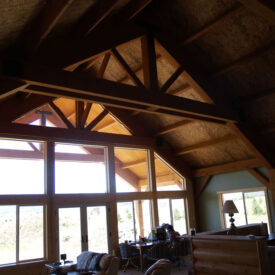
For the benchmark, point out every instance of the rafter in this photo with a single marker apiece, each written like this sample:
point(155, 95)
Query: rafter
point(96, 14)
point(206, 144)
point(228, 167)
point(257, 147)
point(171, 80)
point(86, 112)
point(210, 26)
point(61, 115)
point(45, 22)
point(79, 111)
point(184, 88)
point(9, 87)
point(126, 67)
point(134, 8)
point(173, 127)
point(260, 8)
point(97, 120)
point(202, 186)
point(261, 178)
point(243, 60)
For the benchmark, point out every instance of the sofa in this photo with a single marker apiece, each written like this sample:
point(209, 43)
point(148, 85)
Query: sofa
point(93, 263)
point(215, 252)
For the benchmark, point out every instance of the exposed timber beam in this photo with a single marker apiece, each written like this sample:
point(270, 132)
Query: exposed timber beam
point(173, 127)
point(86, 112)
point(104, 65)
point(206, 144)
point(149, 63)
point(171, 80)
point(96, 14)
point(45, 22)
point(136, 71)
point(181, 90)
point(134, 163)
point(208, 27)
point(79, 111)
point(243, 60)
point(101, 116)
point(262, 8)
point(175, 57)
point(64, 55)
point(126, 67)
point(60, 83)
point(228, 167)
point(134, 8)
point(61, 115)
point(261, 178)
point(9, 87)
point(202, 186)
point(75, 135)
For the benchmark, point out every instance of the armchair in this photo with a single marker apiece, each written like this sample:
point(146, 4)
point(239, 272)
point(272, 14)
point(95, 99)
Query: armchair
point(161, 267)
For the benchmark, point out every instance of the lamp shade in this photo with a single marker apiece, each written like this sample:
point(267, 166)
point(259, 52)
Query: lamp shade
point(229, 207)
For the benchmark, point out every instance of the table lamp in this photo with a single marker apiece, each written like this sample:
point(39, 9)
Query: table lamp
point(230, 208)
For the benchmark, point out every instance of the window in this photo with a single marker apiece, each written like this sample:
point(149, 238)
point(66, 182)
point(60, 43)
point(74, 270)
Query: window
point(22, 167)
point(166, 178)
point(22, 233)
point(172, 211)
point(251, 204)
point(79, 169)
point(134, 220)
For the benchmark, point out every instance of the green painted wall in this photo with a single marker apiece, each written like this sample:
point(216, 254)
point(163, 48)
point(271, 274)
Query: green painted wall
point(208, 204)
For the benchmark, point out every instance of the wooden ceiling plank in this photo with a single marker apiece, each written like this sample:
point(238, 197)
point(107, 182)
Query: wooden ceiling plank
point(260, 8)
point(126, 67)
point(173, 127)
point(243, 60)
point(228, 167)
point(45, 22)
point(94, 16)
point(175, 57)
point(206, 144)
point(210, 26)
point(79, 111)
point(97, 120)
point(261, 178)
point(202, 186)
point(61, 115)
point(60, 83)
point(149, 63)
point(171, 80)
point(106, 126)
point(134, 163)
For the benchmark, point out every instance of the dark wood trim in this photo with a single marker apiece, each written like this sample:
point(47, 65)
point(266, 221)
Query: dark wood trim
point(202, 185)
point(171, 80)
point(97, 120)
point(261, 178)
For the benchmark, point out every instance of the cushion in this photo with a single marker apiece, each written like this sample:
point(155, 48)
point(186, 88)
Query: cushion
point(161, 267)
point(105, 262)
point(94, 263)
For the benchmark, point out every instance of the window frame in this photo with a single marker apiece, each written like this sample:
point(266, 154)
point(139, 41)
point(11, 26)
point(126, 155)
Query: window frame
point(243, 191)
point(17, 234)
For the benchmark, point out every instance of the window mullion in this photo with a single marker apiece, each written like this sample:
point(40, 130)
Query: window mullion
point(134, 221)
point(17, 233)
point(244, 206)
point(171, 212)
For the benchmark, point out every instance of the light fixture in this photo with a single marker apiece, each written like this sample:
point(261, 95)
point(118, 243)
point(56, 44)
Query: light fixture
point(230, 208)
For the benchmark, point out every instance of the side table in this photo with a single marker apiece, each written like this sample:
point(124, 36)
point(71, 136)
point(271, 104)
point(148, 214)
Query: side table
point(59, 269)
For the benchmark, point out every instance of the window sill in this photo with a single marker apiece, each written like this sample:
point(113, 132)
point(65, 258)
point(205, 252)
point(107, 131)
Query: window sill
point(22, 264)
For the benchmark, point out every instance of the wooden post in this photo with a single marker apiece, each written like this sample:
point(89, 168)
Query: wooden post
point(139, 214)
point(191, 211)
point(272, 187)
point(153, 187)
point(113, 204)
point(51, 227)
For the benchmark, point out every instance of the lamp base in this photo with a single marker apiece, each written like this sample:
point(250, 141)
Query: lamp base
point(233, 228)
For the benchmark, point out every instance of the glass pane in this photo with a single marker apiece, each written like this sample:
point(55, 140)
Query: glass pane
point(97, 229)
point(131, 170)
point(238, 200)
point(256, 209)
point(69, 232)
point(31, 238)
point(125, 218)
point(22, 168)
point(164, 211)
point(76, 172)
point(7, 234)
point(179, 219)
point(142, 218)
point(166, 178)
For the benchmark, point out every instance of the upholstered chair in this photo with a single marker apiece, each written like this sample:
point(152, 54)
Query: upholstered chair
point(161, 267)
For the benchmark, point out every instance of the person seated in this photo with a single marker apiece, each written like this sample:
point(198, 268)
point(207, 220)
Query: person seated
point(172, 235)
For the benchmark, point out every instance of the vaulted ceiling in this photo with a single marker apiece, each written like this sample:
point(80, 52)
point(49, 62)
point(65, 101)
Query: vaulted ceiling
point(197, 76)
